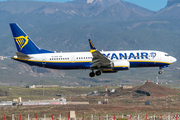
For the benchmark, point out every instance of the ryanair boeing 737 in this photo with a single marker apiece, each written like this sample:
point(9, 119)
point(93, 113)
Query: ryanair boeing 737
point(99, 61)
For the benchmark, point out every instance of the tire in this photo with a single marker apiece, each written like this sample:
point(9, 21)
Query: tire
point(160, 72)
point(91, 74)
point(98, 73)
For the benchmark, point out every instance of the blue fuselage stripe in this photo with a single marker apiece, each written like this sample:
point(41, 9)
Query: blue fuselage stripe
point(86, 65)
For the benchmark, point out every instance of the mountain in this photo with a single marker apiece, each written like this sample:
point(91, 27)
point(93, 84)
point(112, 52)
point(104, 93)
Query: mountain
point(171, 10)
point(122, 11)
point(78, 7)
point(104, 3)
point(172, 2)
point(78, 20)
point(17, 7)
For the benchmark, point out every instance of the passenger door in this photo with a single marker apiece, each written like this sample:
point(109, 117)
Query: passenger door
point(43, 60)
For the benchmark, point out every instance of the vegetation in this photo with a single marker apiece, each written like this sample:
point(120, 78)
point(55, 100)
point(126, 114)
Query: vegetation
point(122, 119)
point(37, 93)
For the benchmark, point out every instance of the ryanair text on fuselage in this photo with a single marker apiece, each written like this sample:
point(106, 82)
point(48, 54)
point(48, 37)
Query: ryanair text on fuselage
point(120, 56)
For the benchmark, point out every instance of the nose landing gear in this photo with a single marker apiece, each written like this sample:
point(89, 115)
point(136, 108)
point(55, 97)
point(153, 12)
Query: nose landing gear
point(160, 70)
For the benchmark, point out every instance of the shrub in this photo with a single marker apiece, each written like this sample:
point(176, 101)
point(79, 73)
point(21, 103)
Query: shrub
point(122, 119)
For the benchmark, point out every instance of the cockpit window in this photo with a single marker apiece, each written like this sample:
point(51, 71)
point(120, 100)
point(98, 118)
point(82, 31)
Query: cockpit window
point(166, 54)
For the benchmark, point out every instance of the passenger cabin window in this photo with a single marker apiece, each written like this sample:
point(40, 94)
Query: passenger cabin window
point(166, 54)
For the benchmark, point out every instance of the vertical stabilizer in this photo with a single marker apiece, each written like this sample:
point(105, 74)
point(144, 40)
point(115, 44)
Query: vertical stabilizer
point(23, 43)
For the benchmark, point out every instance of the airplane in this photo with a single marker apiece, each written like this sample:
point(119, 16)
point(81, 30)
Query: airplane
point(94, 60)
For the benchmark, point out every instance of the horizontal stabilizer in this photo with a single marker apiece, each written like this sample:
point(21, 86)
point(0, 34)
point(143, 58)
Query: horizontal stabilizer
point(21, 55)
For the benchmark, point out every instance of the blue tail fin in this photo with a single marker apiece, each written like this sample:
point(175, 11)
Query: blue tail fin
point(23, 43)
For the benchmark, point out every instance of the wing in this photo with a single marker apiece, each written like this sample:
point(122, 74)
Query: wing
point(99, 60)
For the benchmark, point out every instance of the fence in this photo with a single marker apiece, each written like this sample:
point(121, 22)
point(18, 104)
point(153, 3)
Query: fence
point(91, 117)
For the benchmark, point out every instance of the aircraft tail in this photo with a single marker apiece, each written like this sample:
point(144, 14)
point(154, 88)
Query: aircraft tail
point(23, 43)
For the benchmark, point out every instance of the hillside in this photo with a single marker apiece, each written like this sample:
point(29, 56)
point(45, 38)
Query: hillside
point(172, 2)
point(148, 89)
point(155, 90)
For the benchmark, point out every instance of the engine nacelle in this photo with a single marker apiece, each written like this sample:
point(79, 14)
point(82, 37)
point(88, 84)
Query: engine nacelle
point(107, 66)
point(117, 65)
point(121, 65)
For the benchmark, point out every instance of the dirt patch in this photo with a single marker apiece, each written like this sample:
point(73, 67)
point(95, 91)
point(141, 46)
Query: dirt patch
point(148, 89)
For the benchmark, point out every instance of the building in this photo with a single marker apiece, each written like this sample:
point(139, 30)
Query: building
point(46, 86)
point(1, 58)
point(127, 87)
point(43, 86)
point(33, 86)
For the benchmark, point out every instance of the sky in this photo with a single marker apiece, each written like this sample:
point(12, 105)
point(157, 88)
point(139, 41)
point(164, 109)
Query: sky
point(153, 5)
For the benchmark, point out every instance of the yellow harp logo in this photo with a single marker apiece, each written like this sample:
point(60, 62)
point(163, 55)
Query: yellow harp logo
point(21, 41)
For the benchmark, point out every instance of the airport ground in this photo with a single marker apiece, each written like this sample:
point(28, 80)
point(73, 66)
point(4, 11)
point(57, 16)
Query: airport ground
point(87, 110)
point(126, 104)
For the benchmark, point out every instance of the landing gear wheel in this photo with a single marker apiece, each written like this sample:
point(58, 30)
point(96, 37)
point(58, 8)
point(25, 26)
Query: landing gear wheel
point(98, 73)
point(160, 72)
point(91, 74)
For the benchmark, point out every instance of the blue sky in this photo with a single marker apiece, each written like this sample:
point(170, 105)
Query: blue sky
point(153, 5)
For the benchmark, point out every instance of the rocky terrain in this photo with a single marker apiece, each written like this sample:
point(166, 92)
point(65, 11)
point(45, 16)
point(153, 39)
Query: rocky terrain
point(148, 89)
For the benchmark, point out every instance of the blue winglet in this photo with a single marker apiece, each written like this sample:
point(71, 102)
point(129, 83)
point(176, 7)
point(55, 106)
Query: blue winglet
point(91, 46)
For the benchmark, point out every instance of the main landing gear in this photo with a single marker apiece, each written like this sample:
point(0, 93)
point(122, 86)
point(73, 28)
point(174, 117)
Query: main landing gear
point(97, 73)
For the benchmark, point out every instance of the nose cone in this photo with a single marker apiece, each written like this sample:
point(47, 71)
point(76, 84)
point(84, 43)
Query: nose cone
point(174, 59)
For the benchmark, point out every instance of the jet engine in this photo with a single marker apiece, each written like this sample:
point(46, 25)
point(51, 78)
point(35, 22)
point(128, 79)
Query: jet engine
point(117, 65)
point(121, 65)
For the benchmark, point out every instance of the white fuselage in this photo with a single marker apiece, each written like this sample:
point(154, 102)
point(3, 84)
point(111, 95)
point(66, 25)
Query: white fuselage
point(82, 60)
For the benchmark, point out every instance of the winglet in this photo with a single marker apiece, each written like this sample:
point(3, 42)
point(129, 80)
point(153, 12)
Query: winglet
point(91, 46)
